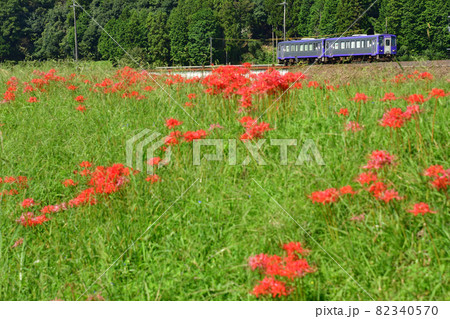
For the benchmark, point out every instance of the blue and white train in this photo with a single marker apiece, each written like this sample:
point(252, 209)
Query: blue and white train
point(359, 47)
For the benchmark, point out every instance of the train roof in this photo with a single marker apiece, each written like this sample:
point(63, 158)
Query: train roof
point(356, 36)
point(361, 36)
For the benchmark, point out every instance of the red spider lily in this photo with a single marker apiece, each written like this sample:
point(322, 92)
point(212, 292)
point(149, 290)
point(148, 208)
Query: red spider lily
point(421, 208)
point(69, 182)
point(343, 112)
point(80, 99)
point(415, 98)
point(442, 182)
point(10, 192)
point(410, 111)
point(425, 76)
point(22, 181)
point(49, 209)
point(259, 261)
point(192, 96)
point(153, 178)
point(393, 118)
point(389, 195)
point(347, 190)
point(33, 99)
point(17, 243)
point(294, 247)
point(247, 65)
point(389, 97)
point(29, 219)
point(360, 97)
point(327, 196)
point(87, 196)
point(154, 161)
point(377, 189)
point(9, 96)
point(313, 84)
point(379, 159)
point(196, 135)
point(28, 202)
point(188, 104)
point(434, 171)
point(85, 164)
point(81, 108)
point(353, 126)
point(172, 138)
point(254, 130)
point(247, 121)
point(148, 88)
point(171, 123)
point(437, 93)
point(441, 176)
point(72, 87)
point(28, 88)
point(270, 286)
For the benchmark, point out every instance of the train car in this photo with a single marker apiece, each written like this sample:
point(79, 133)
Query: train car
point(290, 52)
point(359, 47)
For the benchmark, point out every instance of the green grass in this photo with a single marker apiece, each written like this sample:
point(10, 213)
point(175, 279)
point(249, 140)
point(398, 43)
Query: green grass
point(198, 250)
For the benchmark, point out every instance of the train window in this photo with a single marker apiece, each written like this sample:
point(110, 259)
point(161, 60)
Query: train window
point(287, 48)
point(315, 46)
point(301, 47)
point(342, 45)
point(358, 44)
point(393, 42)
point(310, 47)
point(368, 43)
point(388, 42)
point(336, 46)
point(353, 44)
point(292, 48)
point(297, 48)
point(380, 40)
point(363, 43)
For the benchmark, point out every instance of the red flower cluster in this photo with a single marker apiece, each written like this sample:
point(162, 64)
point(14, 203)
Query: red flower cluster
point(343, 112)
point(171, 123)
point(379, 159)
point(360, 97)
point(421, 208)
point(331, 195)
point(196, 135)
point(103, 180)
point(253, 129)
point(441, 176)
point(389, 97)
point(289, 267)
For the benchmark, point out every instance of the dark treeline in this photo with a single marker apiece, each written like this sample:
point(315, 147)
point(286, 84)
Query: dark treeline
point(178, 32)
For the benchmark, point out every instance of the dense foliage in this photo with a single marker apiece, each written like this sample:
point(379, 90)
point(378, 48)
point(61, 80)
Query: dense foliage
point(165, 32)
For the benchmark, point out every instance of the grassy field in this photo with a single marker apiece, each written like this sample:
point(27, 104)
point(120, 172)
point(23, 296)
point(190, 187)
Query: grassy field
point(189, 235)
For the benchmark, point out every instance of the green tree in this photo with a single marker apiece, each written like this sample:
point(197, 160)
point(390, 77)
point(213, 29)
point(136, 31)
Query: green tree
point(203, 25)
point(177, 25)
point(158, 38)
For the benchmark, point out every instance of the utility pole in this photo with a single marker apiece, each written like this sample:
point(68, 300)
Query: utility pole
point(210, 51)
point(284, 19)
point(75, 29)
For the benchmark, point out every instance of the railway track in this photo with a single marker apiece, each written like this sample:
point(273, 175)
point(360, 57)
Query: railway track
point(261, 67)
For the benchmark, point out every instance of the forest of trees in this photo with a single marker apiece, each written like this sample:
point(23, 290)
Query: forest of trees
point(178, 32)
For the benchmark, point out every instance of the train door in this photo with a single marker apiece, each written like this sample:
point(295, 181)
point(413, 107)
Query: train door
point(387, 45)
point(373, 45)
